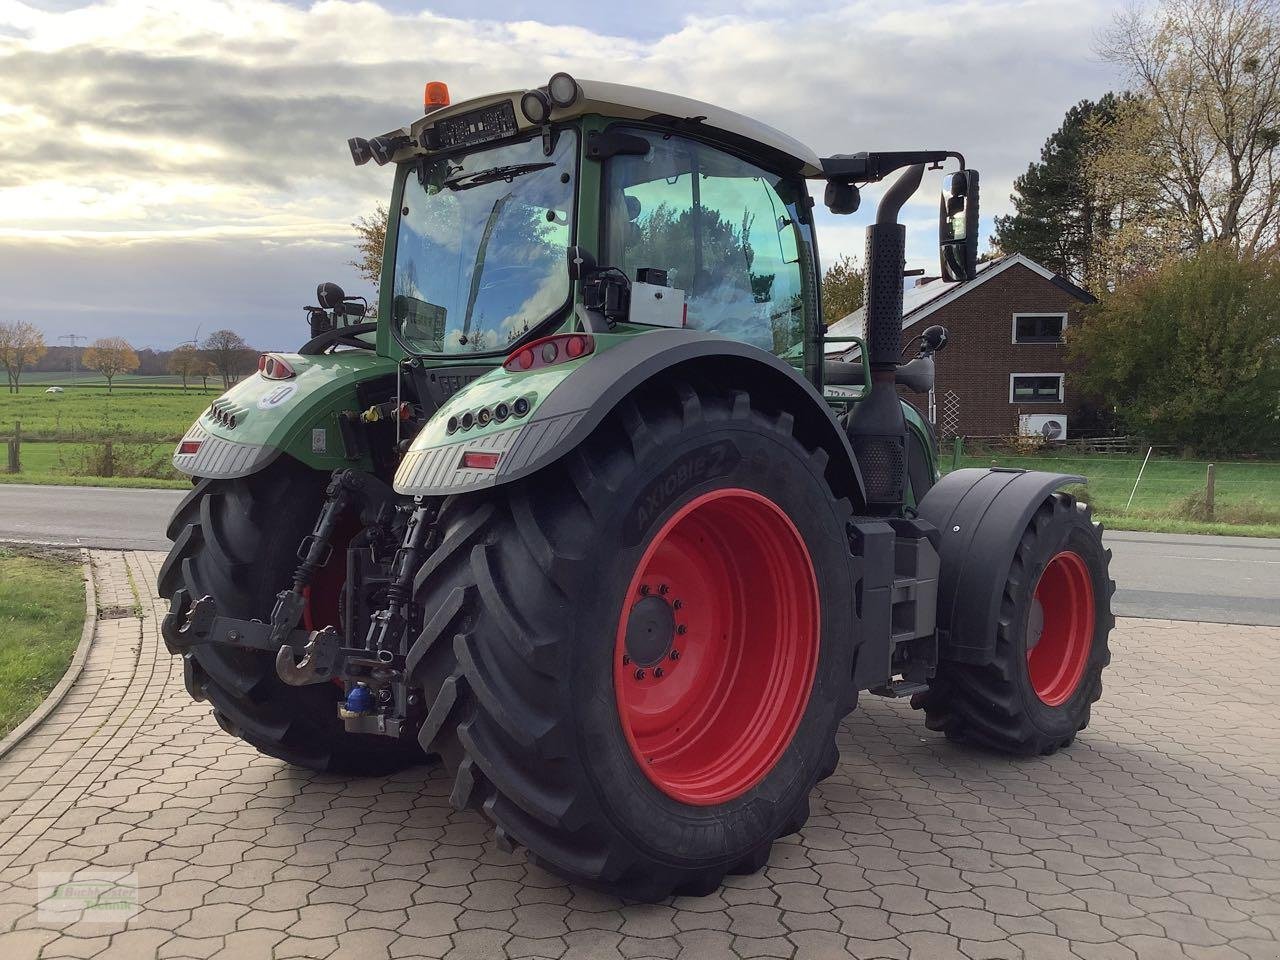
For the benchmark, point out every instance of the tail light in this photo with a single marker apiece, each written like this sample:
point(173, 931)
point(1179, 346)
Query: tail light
point(549, 351)
point(479, 460)
point(188, 447)
point(274, 368)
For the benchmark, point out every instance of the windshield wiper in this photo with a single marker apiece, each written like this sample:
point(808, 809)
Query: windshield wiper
point(508, 173)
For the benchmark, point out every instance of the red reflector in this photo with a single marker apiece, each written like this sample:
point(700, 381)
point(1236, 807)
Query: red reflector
point(187, 447)
point(474, 460)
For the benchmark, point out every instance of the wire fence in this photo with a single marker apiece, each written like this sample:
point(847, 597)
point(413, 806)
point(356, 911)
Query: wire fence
point(1240, 491)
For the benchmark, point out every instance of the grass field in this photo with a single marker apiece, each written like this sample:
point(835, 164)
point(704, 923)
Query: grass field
point(41, 616)
point(1168, 498)
point(67, 463)
point(146, 419)
point(139, 413)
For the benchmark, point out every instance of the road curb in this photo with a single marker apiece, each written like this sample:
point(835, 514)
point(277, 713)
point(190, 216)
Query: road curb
point(74, 669)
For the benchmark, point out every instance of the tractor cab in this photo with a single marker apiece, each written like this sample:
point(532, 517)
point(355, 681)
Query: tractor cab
point(679, 214)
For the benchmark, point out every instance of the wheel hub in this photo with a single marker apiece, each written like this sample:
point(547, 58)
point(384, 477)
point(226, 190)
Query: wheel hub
point(1060, 628)
point(651, 631)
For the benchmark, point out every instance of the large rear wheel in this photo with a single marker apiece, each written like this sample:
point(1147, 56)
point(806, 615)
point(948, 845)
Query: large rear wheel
point(1035, 693)
point(643, 653)
point(237, 540)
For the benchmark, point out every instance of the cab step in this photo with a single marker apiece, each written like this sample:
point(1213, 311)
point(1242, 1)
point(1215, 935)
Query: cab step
point(898, 689)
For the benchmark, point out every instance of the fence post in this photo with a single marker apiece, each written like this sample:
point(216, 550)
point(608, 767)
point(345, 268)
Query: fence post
point(1141, 470)
point(1208, 493)
point(957, 451)
point(109, 464)
point(15, 461)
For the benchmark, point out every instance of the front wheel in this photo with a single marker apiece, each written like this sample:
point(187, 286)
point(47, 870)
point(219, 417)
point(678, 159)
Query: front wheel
point(643, 653)
point(1035, 693)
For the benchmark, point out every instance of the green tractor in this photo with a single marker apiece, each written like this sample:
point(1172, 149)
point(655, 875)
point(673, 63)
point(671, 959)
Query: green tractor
point(588, 515)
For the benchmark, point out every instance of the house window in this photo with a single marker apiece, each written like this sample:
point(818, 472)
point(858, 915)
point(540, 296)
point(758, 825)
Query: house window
point(1038, 327)
point(1035, 387)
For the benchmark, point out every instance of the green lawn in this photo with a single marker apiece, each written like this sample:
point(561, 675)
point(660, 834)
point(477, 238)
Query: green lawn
point(151, 413)
point(41, 617)
point(65, 463)
point(1246, 494)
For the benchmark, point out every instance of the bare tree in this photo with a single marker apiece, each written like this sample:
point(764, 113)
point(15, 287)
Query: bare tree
point(184, 362)
point(21, 345)
point(227, 351)
point(1208, 73)
point(1137, 227)
point(111, 356)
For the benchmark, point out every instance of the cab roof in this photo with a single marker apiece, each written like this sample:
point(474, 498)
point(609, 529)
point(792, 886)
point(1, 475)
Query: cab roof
point(640, 103)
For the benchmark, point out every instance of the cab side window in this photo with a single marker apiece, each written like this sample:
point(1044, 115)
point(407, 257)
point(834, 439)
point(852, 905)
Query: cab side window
point(722, 228)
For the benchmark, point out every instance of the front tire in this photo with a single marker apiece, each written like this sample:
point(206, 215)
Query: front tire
point(1051, 645)
point(692, 523)
point(237, 540)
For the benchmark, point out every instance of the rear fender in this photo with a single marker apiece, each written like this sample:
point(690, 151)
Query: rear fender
point(297, 416)
point(568, 401)
point(981, 515)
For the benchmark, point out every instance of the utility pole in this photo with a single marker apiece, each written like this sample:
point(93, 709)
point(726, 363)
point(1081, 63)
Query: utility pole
point(74, 338)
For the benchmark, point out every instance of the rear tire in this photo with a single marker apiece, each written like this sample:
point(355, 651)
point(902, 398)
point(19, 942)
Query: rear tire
point(1050, 647)
point(531, 603)
point(236, 540)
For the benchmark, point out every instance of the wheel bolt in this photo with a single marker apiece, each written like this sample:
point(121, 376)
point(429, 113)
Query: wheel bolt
point(675, 654)
point(677, 604)
point(639, 674)
point(625, 659)
point(664, 589)
point(644, 589)
point(682, 629)
point(657, 673)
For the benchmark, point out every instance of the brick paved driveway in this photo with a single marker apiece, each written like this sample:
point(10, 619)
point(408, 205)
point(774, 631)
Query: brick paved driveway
point(1157, 835)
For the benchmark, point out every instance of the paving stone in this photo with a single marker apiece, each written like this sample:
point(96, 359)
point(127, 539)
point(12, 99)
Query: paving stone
point(1157, 835)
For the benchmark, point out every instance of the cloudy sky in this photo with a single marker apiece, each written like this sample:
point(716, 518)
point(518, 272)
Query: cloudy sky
point(168, 166)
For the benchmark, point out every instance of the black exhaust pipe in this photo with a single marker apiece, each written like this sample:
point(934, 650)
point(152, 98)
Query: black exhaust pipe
point(876, 428)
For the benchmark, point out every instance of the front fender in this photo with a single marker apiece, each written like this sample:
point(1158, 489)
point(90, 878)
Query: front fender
point(981, 515)
point(297, 416)
point(568, 401)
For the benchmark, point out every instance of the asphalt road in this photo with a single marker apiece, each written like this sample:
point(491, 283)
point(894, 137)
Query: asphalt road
point(1165, 576)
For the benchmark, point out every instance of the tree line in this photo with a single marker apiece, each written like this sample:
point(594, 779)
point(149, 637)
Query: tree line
point(1163, 199)
point(222, 355)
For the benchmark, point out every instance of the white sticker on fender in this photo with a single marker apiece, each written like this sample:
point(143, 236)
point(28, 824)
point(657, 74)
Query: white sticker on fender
point(277, 396)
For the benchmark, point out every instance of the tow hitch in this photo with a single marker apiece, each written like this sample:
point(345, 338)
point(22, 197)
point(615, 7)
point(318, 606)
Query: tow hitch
point(375, 697)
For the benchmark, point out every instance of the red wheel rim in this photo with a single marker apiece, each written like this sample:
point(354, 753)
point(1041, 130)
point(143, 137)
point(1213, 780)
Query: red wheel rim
point(717, 646)
point(1063, 603)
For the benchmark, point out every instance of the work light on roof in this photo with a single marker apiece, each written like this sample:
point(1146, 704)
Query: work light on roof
point(360, 151)
point(536, 106)
point(563, 90)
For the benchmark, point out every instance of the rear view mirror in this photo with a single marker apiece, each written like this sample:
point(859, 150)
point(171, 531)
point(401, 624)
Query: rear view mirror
point(958, 226)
